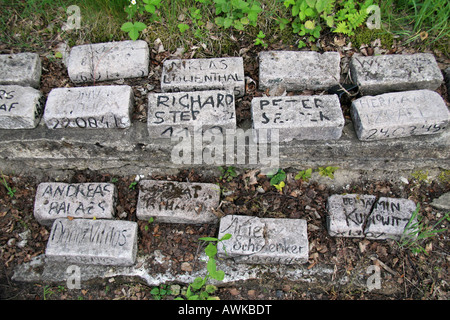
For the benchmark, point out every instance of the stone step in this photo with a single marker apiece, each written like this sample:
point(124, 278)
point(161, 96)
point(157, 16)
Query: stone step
point(22, 69)
point(177, 202)
point(20, 107)
point(300, 117)
point(298, 70)
point(102, 242)
point(359, 216)
point(395, 72)
point(77, 200)
point(204, 74)
point(108, 61)
point(171, 114)
point(399, 114)
point(263, 240)
point(99, 107)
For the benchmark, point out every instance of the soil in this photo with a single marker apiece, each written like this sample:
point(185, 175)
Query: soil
point(405, 275)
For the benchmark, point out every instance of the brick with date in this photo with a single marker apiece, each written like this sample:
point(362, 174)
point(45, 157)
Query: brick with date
point(399, 114)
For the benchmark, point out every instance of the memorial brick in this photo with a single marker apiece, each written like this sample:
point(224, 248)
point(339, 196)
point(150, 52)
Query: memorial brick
point(172, 113)
point(347, 214)
point(100, 242)
point(204, 74)
point(362, 216)
point(264, 240)
point(108, 61)
point(77, 200)
point(300, 117)
point(22, 69)
point(386, 73)
point(399, 114)
point(97, 107)
point(177, 202)
point(389, 218)
point(298, 70)
point(20, 107)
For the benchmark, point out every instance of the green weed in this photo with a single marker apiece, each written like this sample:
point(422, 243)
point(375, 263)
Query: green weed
point(304, 175)
point(310, 17)
point(227, 173)
point(328, 171)
point(158, 293)
point(11, 191)
point(199, 289)
point(416, 231)
point(424, 22)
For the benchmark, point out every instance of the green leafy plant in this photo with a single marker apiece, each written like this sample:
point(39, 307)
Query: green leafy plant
point(328, 171)
point(416, 231)
point(259, 39)
point(199, 289)
point(133, 29)
point(304, 175)
point(133, 185)
point(11, 191)
point(227, 173)
point(310, 17)
point(421, 176)
point(183, 27)
point(160, 292)
point(277, 180)
point(48, 292)
point(149, 221)
point(147, 7)
point(236, 13)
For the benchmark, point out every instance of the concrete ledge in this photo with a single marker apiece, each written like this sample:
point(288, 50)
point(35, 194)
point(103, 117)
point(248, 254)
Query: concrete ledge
point(131, 151)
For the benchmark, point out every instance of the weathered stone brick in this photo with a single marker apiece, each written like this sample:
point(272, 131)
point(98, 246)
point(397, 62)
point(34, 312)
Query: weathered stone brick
point(204, 74)
point(347, 214)
point(399, 114)
point(298, 70)
point(264, 240)
point(171, 113)
point(102, 242)
point(97, 107)
point(300, 117)
point(77, 200)
point(177, 202)
point(20, 107)
point(108, 61)
point(22, 69)
point(395, 72)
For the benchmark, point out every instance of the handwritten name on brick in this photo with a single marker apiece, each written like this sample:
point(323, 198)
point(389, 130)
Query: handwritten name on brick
point(177, 202)
point(300, 117)
point(399, 114)
point(99, 107)
point(104, 242)
point(264, 240)
point(170, 113)
point(204, 74)
point(78, 200)
point(20, 107)
point(108, 61)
